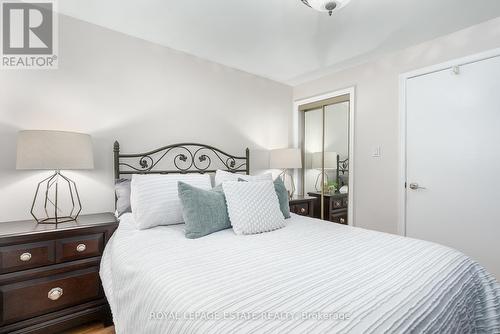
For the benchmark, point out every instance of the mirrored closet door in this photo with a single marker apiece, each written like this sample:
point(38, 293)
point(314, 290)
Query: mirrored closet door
point(326, 157)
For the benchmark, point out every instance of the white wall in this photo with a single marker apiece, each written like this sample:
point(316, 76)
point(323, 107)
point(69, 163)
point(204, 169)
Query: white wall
point(377, 116)
point(113, 86)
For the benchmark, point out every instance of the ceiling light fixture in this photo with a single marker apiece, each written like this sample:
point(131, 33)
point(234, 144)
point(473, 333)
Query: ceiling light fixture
point(326, 5)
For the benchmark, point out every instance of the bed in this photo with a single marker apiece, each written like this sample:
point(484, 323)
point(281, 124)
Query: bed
point(312, 276)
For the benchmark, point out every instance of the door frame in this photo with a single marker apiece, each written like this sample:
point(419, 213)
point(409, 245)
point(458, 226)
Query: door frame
point(403, 78)
point(296, 135)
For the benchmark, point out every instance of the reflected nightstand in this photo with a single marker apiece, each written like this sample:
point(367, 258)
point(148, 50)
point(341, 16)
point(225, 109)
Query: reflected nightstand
point(335, 207)
point(302, 205)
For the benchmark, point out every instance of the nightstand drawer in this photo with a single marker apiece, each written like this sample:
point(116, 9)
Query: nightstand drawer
point(337, 203)
point(39, 296)
point(300, 209)
point(79, 247)
point(25, 256)
point(339, 218)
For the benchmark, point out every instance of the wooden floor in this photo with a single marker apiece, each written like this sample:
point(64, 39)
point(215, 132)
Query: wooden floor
point(92, 328)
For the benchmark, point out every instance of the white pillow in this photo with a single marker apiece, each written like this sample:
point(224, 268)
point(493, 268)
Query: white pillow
point(154, 198)
point(223, 176)
point(253, 207)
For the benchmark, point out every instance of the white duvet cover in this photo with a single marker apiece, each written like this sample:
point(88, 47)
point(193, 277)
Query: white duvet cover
point(310, 277)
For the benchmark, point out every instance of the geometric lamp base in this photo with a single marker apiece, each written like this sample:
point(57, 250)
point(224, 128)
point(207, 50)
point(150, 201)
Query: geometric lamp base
point(56, 220)
point(53, 211)
point(317, 185)
point(290, 185)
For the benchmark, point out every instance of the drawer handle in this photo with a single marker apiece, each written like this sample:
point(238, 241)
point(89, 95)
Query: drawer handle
point(25, 257)
point(55, 293)
point(81, 248)
point(302, 210)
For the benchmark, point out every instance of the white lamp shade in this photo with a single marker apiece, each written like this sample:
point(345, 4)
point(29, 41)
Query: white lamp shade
point(285, 158)
point(330, 160)
point(54, 150)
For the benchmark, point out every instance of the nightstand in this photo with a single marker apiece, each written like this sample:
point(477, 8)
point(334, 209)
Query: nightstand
point(302, 205)
point(335, 207)
point(49, 274)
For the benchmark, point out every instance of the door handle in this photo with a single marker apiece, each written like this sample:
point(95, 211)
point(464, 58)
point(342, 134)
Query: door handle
point(415, 186)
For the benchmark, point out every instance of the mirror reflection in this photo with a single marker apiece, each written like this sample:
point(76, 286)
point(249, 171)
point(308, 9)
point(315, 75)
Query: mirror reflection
point(326, 157)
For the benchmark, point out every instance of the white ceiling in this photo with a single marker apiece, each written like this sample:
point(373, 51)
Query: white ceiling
point(283, 39)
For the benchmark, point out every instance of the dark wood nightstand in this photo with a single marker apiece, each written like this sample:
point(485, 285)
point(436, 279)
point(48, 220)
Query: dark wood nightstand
point(303, 206)
point(49, 275)
point(335, 207)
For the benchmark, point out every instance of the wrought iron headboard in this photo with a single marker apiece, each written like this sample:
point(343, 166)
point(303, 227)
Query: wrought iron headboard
point(184, 158)
point(342, 167)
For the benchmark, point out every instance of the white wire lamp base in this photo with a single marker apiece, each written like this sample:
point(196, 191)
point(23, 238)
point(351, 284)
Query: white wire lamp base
point(51, 206)
point(317, 185)
point(287, 175)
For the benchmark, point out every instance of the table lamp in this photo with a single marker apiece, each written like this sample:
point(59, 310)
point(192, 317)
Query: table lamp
point(285, 159)
point(330, 164)
point(55, 150)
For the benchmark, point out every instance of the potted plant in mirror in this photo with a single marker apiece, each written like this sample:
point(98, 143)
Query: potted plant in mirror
point(331, 187)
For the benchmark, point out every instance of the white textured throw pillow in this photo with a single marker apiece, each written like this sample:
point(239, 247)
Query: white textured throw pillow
point(154, 198)
point(253, 207)
point(223, 176)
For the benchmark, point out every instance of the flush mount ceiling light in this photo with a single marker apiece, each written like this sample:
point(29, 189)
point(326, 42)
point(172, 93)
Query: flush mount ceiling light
point(326, 5)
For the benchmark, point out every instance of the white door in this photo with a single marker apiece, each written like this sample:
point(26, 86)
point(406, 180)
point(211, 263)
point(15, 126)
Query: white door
point(453, 154)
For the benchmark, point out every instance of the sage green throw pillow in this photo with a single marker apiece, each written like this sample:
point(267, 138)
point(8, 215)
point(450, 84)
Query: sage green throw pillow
point(279, 187)
point(204, 211)
point(282, 193)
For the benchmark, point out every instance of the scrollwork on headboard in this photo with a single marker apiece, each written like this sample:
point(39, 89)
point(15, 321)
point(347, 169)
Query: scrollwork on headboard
point(342, 167)
point(179, 158)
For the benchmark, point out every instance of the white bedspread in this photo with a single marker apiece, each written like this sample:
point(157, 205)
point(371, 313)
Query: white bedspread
point(309, 277)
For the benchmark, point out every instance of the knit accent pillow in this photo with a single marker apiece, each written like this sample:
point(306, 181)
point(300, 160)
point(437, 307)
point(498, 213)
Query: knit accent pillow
point(283, 197)
point(253, 207)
